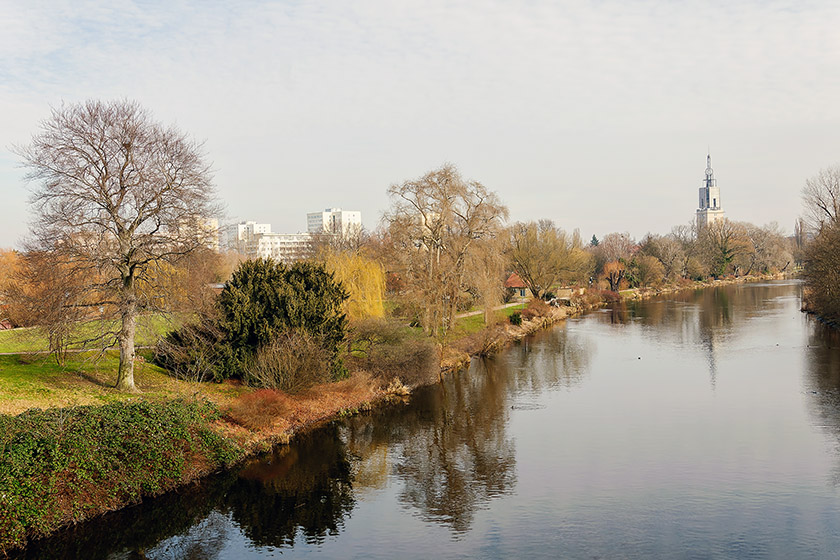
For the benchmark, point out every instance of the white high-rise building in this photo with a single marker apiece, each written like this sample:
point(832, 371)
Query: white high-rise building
point(335, 221)
point(258, 241)
point(285, 247)
point(238, 237)
point(710, 209)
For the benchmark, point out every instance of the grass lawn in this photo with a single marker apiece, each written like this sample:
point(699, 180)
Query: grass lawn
point(149, 329)
point(468, 325)
point(37, 381)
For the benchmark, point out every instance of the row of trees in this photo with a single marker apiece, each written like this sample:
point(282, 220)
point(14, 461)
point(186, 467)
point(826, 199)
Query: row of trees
point(722, 248)
point(122, 207)
point(821, 228)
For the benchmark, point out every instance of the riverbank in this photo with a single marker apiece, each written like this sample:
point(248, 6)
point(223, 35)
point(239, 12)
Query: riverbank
point(247, 423)
point(647, 293)
point(46, 485)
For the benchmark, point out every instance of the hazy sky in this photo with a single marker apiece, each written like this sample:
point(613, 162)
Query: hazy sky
point(595, 114)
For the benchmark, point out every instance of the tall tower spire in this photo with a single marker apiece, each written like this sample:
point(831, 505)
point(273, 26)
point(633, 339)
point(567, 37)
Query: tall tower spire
point(710, 209)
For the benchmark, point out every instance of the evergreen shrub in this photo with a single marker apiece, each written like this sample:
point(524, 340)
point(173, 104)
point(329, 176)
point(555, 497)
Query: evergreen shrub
point(264, 305)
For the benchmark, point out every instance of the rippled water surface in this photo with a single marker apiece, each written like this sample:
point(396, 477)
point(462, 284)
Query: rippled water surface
point(702, 426)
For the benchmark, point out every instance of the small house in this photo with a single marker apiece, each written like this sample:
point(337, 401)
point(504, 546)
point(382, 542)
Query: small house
point(515, 286)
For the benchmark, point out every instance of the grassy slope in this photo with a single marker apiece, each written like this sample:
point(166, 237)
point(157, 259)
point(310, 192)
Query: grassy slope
point(36, 381)
point(149, 329)
point(474, 323)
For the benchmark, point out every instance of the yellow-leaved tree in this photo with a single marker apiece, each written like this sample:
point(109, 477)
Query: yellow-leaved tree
point(364, 280)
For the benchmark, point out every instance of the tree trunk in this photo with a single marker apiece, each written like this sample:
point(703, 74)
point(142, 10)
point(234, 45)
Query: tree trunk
point(125, 375)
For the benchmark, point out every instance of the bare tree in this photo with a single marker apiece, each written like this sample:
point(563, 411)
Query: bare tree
point(613, 247)
point(543, 254)
point(50, 296)
point(821, 196)
point(434, 225)
point(766, 249)
point(822, 274)
point(117, 194)
point(721, 243)
point(668, 250)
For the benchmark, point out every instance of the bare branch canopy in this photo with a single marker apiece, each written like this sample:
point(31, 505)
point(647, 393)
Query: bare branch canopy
point(116, 193)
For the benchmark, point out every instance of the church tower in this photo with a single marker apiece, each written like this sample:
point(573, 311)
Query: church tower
point(709, 210)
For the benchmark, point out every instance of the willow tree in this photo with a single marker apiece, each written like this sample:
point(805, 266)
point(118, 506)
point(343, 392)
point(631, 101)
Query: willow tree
point(364, 280)
point(116, 193)
point(436, 224)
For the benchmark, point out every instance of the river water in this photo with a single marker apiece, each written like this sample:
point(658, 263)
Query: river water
point(705, 425)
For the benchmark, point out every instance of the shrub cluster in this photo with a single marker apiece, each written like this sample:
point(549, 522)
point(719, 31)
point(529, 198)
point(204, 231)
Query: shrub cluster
point(387, 350)
point(62, 465)
point(291, 362)
point(535, 308)
point(268, 315)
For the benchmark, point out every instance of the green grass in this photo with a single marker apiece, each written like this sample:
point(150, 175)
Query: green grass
point(466, 326)
point(149, 329)
point(37, 381)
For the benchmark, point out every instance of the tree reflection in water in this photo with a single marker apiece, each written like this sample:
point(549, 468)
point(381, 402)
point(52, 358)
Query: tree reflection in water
point(552, 358)
point(823, 380)
point(449, 448)
point(301, 489)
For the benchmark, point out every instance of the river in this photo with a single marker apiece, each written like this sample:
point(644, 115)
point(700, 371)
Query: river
point(704, 425)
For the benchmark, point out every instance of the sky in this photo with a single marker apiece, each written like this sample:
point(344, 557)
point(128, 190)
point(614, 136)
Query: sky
point(597, 115)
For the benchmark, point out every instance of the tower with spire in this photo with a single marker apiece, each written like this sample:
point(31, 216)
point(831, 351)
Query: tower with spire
point(709, 210)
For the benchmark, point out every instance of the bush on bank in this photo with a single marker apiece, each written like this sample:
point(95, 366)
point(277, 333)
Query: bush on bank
point(62, 465)
point(264, 307)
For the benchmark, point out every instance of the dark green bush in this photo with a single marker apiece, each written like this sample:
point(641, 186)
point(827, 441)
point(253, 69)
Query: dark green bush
point(263, 304)
point(61, 465)
point(516, 318)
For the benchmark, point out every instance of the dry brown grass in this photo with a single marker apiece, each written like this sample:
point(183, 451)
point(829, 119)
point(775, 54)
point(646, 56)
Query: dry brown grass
point(259, 409)
point(275, 415)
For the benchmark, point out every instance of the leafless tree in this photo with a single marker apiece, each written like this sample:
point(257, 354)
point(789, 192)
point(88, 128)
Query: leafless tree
point(613, 247)
point(669, 251)
point(118, 195)
point(766, 249)
point(721, 244)
point(821, 196)
point(822, 274)
point(435, 224)
point(543, 254)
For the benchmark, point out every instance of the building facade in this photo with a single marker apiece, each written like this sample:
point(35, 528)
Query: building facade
point(284, 247)
point(335, 221)
point(258, 241)
point(238, 237)
point(710, 209)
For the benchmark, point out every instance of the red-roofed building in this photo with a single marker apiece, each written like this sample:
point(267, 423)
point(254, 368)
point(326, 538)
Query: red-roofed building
point(515, 285)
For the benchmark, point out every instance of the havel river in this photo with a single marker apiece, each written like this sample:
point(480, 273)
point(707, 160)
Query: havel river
point(704, 425)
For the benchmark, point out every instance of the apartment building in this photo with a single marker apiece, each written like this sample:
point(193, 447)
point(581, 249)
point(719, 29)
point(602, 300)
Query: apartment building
point(335, 221)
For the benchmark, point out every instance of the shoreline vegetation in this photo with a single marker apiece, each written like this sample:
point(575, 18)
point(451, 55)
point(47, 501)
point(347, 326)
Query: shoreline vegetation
point(178, 432)
point(262, 349)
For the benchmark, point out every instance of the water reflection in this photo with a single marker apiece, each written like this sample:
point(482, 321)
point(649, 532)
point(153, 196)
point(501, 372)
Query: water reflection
point(822, 381)
point(555, 358)
point(450, 448)
point(303, 489)
point(708, 317)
